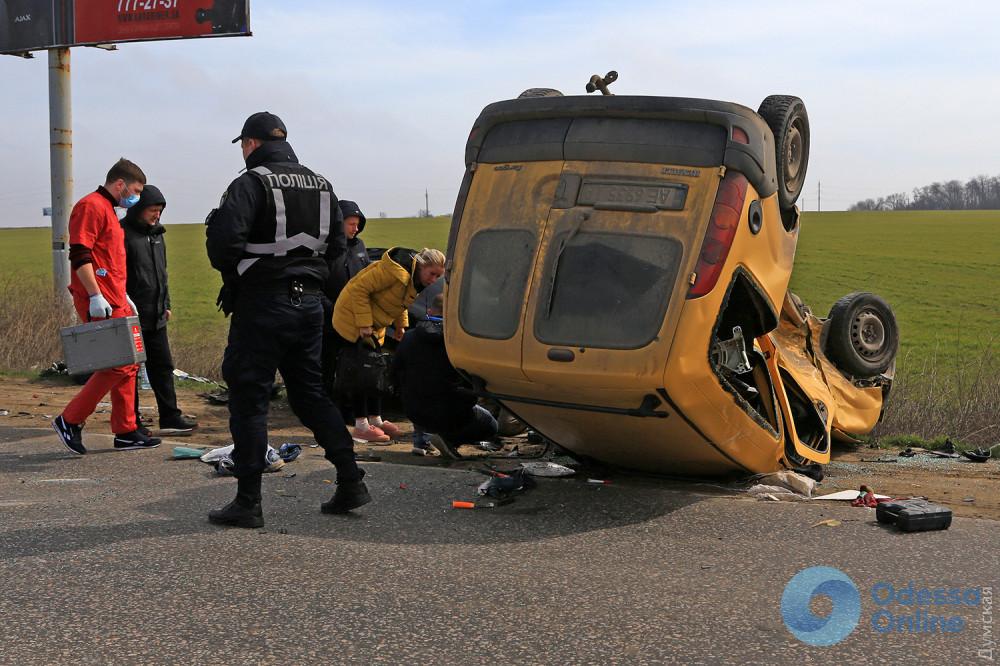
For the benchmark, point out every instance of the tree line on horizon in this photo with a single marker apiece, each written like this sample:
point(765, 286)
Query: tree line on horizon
point(979, 193)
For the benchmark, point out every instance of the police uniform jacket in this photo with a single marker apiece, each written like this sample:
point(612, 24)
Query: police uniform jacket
point(256, 240)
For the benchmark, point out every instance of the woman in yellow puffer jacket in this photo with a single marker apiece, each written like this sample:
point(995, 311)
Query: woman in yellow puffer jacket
point(374, 298)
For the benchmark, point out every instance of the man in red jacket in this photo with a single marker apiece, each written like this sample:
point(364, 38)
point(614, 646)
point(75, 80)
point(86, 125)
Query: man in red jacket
point(97, 283)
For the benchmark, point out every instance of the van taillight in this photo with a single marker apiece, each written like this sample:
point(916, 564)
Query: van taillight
point(721, 232)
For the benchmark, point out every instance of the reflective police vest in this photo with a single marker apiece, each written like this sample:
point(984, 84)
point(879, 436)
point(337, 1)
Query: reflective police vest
point(300, 208)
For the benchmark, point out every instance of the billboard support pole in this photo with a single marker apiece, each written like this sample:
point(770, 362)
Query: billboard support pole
point(60, 164)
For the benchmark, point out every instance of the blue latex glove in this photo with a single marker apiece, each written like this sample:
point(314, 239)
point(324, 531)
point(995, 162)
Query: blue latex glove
point(99, 307)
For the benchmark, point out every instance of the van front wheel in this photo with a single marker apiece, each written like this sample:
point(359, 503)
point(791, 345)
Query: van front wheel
point(786, 116)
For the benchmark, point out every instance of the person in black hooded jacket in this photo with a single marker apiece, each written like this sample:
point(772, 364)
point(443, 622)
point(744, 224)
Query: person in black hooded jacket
point(146, 268)
point(342, 269)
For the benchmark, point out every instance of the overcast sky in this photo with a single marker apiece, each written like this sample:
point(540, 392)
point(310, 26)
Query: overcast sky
point(380, 97)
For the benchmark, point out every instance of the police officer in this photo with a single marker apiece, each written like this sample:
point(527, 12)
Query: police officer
point(272, 238)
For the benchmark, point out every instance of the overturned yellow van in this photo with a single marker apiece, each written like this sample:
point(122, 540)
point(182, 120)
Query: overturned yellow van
point(618, 279)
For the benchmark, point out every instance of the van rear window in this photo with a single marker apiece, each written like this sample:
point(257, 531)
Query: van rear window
point(644, 140)
point(494, 278)
point(606, 290)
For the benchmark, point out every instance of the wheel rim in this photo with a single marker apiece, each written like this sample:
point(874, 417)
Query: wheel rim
point(794, 155)
point(868, 335)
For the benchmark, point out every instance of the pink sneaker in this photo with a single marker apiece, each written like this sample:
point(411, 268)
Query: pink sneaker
point(373, 434)
point(391, 429)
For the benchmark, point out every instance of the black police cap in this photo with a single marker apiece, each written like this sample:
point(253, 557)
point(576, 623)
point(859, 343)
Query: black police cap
point(263, 125)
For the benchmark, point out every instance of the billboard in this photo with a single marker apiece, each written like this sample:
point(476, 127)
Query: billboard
point(31, 25)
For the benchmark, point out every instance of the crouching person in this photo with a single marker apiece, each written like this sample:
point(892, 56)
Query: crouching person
point(432, 390)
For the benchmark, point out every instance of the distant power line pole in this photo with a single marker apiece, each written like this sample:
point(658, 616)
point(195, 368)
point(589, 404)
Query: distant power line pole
point(427, 203)
point(819, 196)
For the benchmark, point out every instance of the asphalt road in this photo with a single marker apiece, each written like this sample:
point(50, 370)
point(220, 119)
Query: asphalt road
point(108, 558)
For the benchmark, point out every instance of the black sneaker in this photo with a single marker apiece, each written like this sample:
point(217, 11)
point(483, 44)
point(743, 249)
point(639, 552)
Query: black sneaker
point(236, 515)
point(178, 425)
point(135, 440)
point(70, 435)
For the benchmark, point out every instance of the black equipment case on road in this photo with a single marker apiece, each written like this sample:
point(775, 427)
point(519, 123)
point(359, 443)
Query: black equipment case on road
point(914, 515)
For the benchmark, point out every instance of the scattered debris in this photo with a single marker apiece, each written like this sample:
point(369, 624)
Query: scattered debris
point(187, 453)
point(222, 458)
point(968, 499)
point(866, 497)
point(829, 522)
point(501, 485)
point(775, 493)
point(481, 504)
point(367, 456)
point(327, 481)
point(58, 368)
point(289, 451)
point(980, 455)
point(878, 460)
point(947, 447)
point(403, 486)
point(799, 483)
point(944, 454)
point(514, 452)
point(225, 466)
point(180, 374)
point(4, 412)
point(847, 496)
point(545, 468)
point(290, 475)
point(220, 397)
point(217, 454)
point(599, 482)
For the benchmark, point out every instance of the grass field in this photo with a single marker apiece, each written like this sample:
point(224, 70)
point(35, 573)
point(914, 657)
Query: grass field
point(939, 271)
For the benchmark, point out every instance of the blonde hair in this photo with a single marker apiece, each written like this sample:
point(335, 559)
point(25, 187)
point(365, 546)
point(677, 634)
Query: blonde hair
point(429, 257)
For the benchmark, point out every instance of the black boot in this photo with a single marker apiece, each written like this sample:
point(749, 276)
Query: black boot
point(349, 495)
point(244, 511)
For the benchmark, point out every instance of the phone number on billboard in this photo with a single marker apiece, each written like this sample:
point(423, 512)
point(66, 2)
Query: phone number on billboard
point(145, 5)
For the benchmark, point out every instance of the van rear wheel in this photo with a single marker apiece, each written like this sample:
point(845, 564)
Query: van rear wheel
point(861, 336)
point(786, 116)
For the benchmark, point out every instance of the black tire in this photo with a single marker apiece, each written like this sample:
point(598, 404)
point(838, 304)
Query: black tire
point(787, 118)
point(861, 336)
point(540, 92)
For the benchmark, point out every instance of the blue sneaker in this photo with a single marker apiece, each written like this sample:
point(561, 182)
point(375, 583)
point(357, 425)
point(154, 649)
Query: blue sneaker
point(70, 435)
